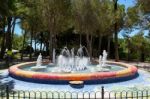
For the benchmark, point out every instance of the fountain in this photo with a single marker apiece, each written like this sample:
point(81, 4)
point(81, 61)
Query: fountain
point(68, 62)
point(102, 66)
point(39, 64)
point(104, 58)
point(70, 67)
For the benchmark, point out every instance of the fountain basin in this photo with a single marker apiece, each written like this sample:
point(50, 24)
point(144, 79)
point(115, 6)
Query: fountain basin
point(38, 68)
point(129, 72)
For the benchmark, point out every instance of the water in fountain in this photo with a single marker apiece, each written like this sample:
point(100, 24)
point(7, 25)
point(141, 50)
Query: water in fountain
point(80, 51)
point(100, 61)
point(39, 64)
point(102, 66)
point(39, 60)
point(68, 62)
point(72, 52)
point(104, 58)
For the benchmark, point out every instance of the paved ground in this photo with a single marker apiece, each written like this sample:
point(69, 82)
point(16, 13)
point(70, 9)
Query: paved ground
point(142, 65)
point(140, 83)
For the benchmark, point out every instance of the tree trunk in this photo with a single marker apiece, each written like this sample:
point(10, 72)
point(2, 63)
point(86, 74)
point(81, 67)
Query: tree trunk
point(13, 28)
point(47, 48)
point(3, 44)
point(108, 46)
point(116, 44)
point(8, 35)
point(41, 41)
point(116, 33)
point(50, 46)
point(89, 44)
point(24, 39)
point(80, 39)
point(35, 45)
point(9, 42)
point(128, 56)
point(142, 56)
point(99, 45)
point(3, 47)
point(41, 47)
point(31, 44)
point(54, 42)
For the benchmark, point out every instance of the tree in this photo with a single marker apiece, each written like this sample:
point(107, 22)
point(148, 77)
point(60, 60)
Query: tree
point(56, 15)
point(144, 5)
point(25, 27)
point(141, 45)
point(144, 8)
point(131, 21)
point(106, 21)
point(32, 22)
point(17, 42)
point(10, 11)
point(85, 19)
point(7, 11)
point(3, 42)
point(119, 12)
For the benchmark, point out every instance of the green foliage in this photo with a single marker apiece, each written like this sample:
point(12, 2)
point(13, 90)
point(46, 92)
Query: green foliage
point(55, 15)
point(106, 17)
point(17, 42)
point(96, 16)
point(131, 17)
point(16, 56)
point(144, 5)
point(122, 48)
point(7, 7)
point(86, 20)
point(138, 45)
point(52, 18)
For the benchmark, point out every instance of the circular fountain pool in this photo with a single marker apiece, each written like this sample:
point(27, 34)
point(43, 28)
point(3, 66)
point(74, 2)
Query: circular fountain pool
point(91, 75)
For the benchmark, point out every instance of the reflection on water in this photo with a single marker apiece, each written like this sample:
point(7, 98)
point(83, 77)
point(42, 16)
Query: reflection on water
point(90, 68)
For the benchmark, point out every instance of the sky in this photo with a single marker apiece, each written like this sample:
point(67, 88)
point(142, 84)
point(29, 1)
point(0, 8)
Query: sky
point(127, 3)
point(18, 30)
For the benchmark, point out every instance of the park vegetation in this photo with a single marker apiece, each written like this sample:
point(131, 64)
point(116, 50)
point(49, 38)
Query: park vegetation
point(93, 23)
